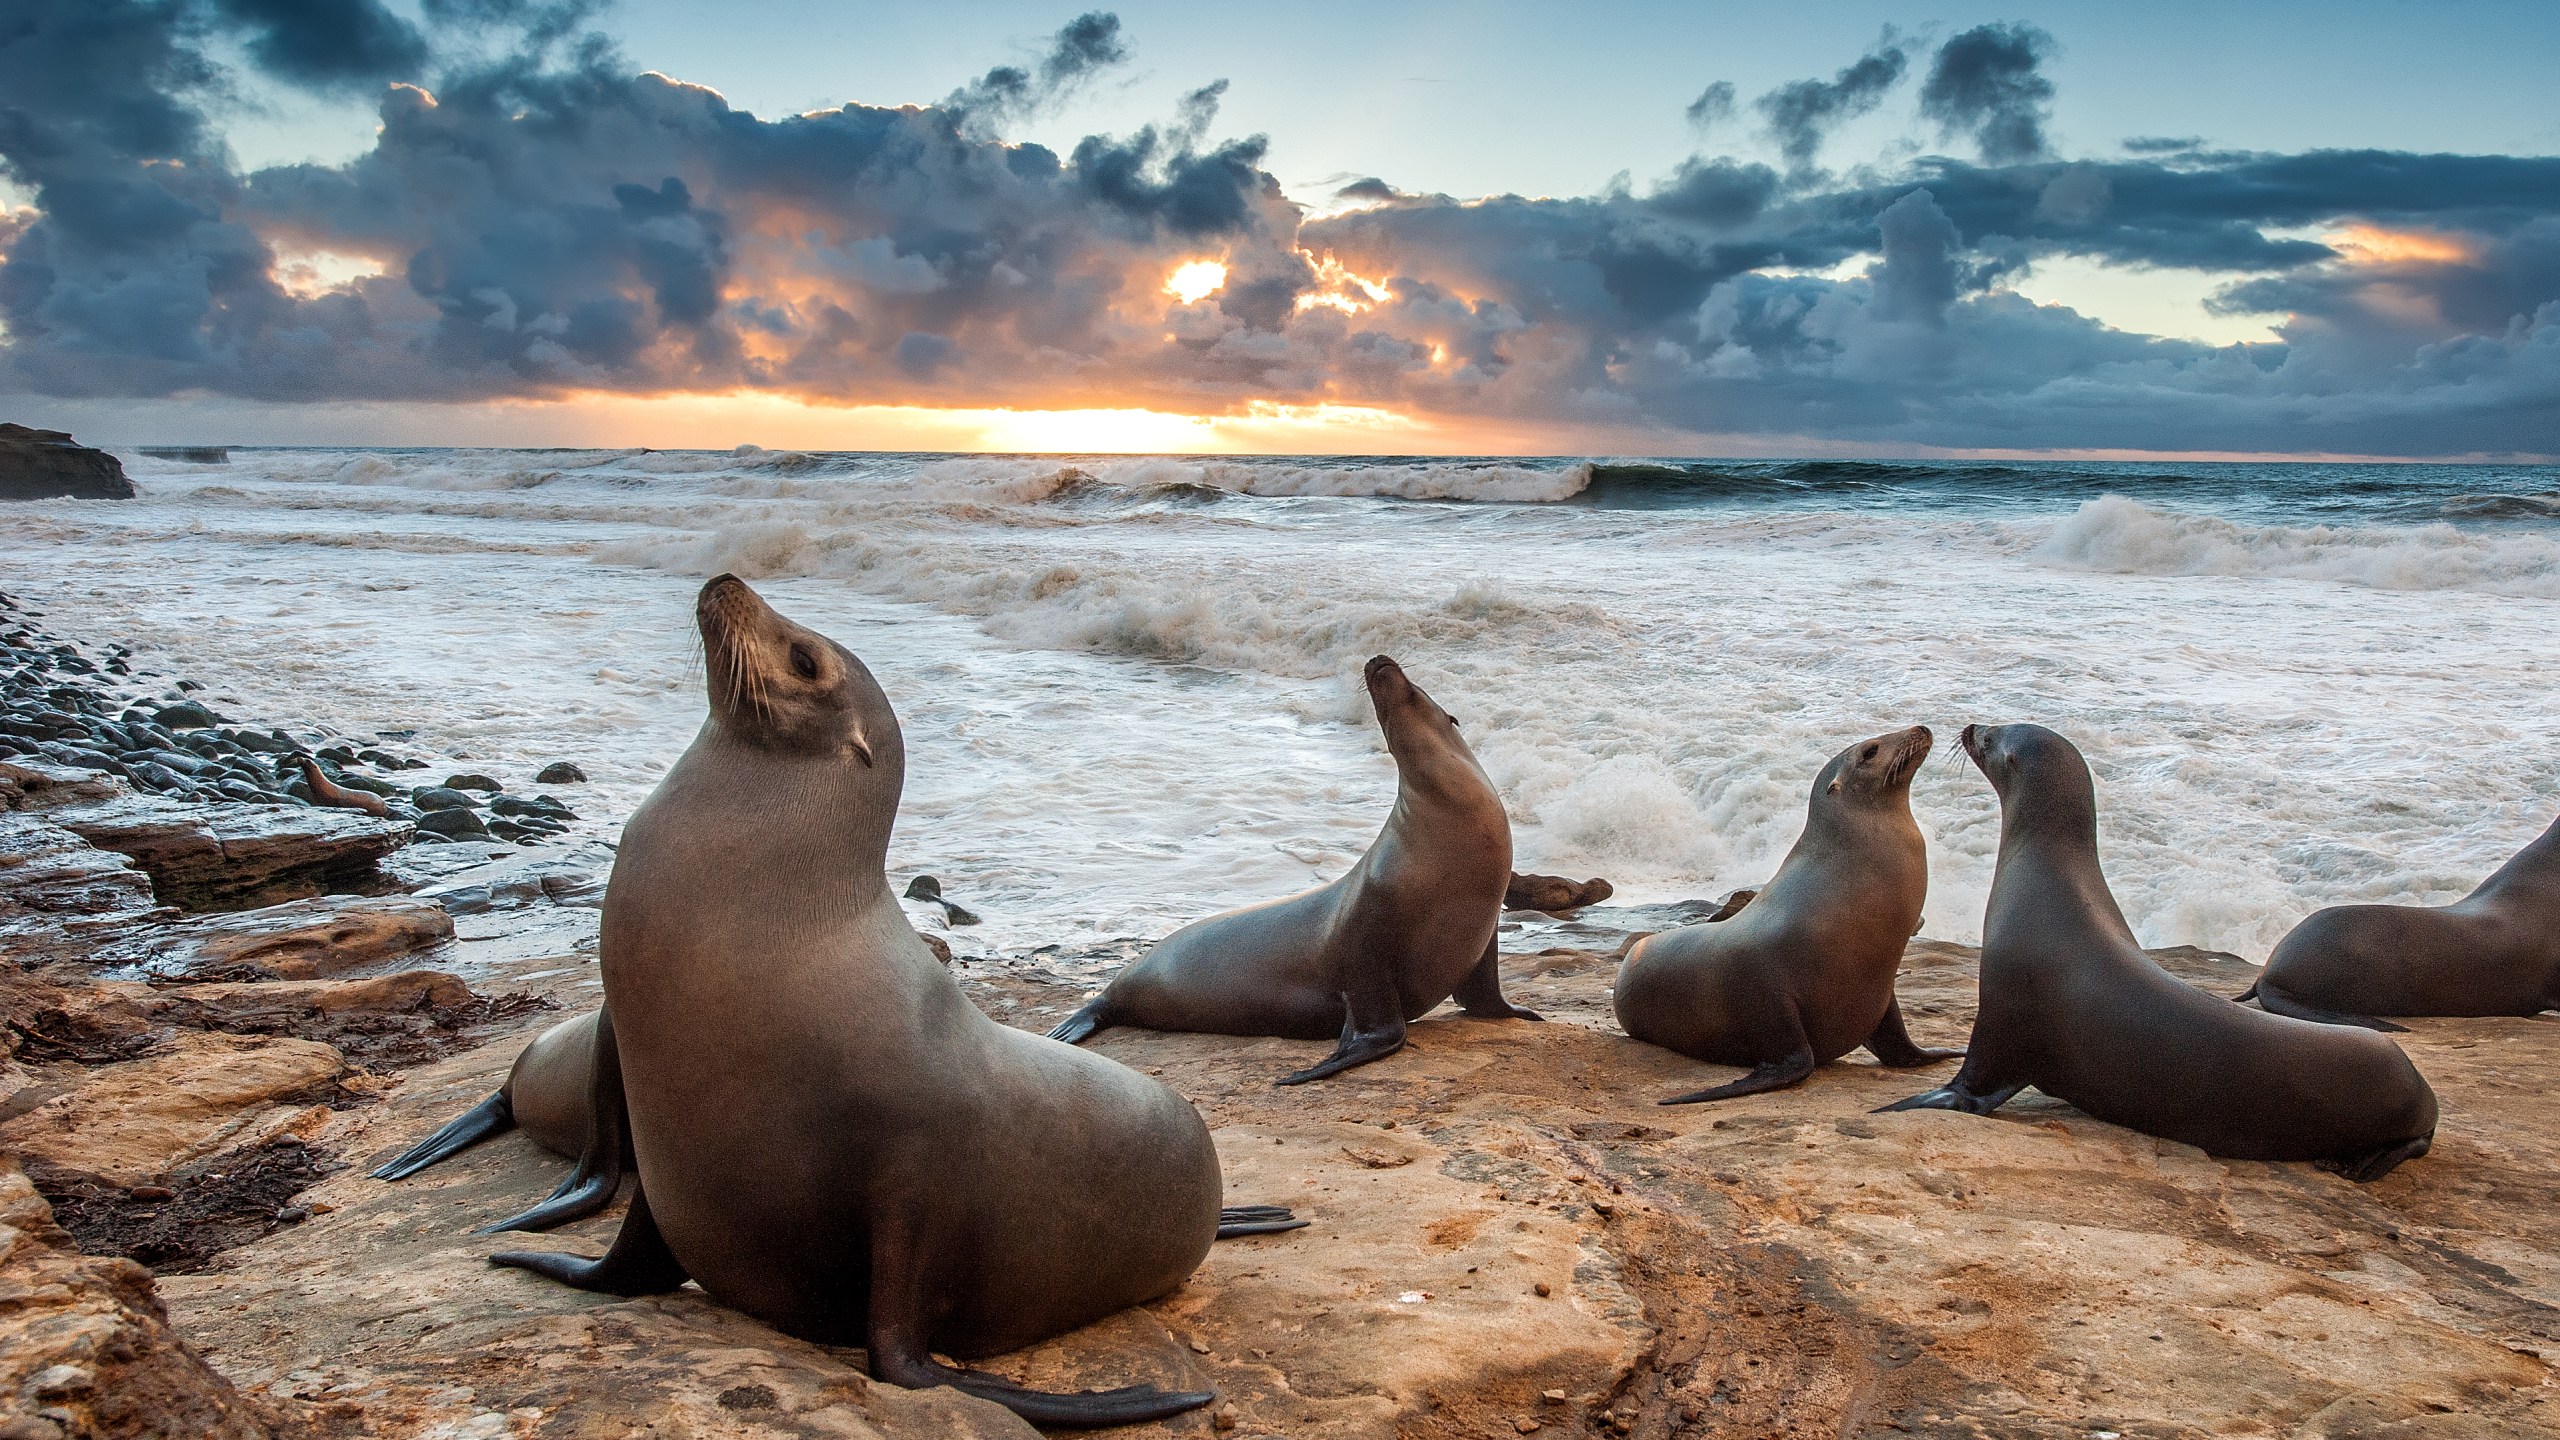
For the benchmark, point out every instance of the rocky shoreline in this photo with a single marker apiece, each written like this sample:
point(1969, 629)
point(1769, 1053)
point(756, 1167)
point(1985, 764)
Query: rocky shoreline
point(222, 1009)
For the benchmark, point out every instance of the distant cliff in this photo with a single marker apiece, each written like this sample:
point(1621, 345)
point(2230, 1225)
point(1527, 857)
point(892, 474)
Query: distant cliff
point(46, 465)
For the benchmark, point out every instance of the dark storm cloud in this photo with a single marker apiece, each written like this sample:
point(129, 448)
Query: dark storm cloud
point(1800, 113)
point(1984, 84)
point(327, 43)
point(547, 221)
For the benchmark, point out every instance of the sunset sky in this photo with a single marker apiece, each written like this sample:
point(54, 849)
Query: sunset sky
point(1614, 228)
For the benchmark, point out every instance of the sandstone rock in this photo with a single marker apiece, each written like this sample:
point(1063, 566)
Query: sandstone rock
point(222, 857)
point(85, 1345)
point(1552, 893)
point(300, 940)
point(1506, 1227)
point(202, 1096)
point(46, 465)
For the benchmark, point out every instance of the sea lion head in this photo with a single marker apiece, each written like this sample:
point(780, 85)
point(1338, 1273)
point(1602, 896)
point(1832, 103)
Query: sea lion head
point(1876, 771)
point(783, 688)
point(1423, 737)
point(2041, 777)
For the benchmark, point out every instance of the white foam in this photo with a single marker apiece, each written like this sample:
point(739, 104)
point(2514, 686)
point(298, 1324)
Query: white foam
point(1125, 714)
point(2123, 536)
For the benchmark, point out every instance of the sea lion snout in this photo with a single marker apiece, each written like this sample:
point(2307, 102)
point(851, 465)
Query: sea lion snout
point(1382, 670)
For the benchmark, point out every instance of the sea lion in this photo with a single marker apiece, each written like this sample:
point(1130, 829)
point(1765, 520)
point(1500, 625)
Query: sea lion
point(1409, 926)
point(828, 1135)
point(2496, 951)
point(1554, 894)
point(325, 791)
point(1802, 972)
point(2071, 1005)
point(546, 1096)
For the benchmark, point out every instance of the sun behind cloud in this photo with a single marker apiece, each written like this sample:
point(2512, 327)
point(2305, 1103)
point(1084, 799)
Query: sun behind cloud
point(1195, 281)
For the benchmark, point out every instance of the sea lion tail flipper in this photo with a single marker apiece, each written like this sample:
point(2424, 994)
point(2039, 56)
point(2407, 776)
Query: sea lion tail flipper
point(2276, 1002)
point(1081, 1410)
point(900, 1354)
point(1892, 1044)
point(1085, 1023)
point(1372, 1029)
point(2373, 1164)
point(2245, 996)
point(493, 1116)
point(1237, 1220)
point(1774, 1075)
point(591, 1186)
point(1480, 994)
point(639, 1262)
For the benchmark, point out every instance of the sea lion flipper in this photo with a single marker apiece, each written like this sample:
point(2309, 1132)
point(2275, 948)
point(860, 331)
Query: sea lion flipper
point(493, 1116)
point(1772, 1075)
point(900, 1354)
point(1954, 1096)
point(2373, 1164)
point(1892, 1044)
point(1085, 1023)
point(1372, 1028)
point(1480, 994)
point(1237, 1220)
point(639, 1262)
point(591, 1186)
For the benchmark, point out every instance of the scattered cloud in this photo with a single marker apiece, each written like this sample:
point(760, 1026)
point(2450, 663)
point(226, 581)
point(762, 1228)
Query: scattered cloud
point(537, 218)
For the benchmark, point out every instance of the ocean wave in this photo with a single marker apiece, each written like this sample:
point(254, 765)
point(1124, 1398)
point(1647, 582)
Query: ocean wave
point(2117, 535)
point(2503, 507)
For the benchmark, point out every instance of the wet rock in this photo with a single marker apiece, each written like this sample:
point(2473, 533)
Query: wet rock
point(1730, 906)
point(190, 454)
point(47, 465)
point(560, 772)
point(453, 825)
point(232, 857)
point(186, 715)
point(441, 797)
point(86, 1348)
point(299, 940)
point(200, 1096)
point(471, 781)
point(1554, 893)
point(53, 884)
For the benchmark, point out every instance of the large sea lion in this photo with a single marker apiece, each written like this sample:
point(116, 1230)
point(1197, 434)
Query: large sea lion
point(1803, 973)
point(828, 1135)
point(2071, 1005)
point(2496, 951)
point(1409, 926)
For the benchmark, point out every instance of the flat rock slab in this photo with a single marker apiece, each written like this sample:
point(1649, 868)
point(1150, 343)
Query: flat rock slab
point(86, 1348)
point(56, 887)
point(322, 936)
point(219, 857)
point(1785, 1262)
point(199, 1097)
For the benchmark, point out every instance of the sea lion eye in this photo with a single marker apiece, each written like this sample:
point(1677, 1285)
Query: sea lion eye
point(1867, 754)
point(804, 664)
